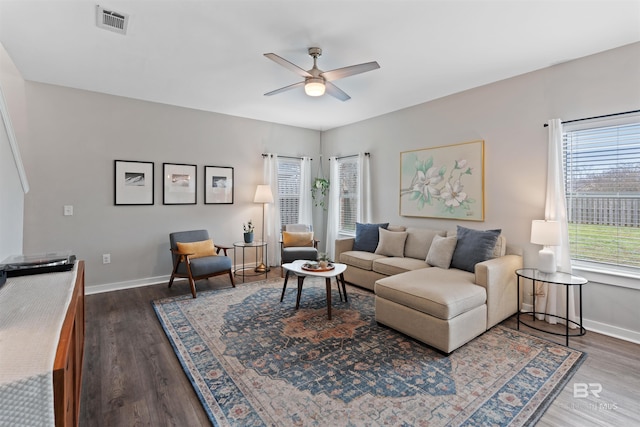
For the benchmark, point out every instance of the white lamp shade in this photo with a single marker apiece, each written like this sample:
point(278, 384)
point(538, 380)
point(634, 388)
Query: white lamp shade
point(263, 194)
point(314, 86)
point(545, 233)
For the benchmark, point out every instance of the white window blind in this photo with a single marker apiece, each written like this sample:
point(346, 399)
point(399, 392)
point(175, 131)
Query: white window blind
point(289, 189)
point(348, 186)
point(602, 173)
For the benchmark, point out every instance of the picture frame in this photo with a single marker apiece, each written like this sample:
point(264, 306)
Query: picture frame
point(133, 182)
point(180, 184)
point(443, 182)
point(218, 185)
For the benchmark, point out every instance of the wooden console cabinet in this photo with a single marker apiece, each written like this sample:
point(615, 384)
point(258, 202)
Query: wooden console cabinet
point(67, 367)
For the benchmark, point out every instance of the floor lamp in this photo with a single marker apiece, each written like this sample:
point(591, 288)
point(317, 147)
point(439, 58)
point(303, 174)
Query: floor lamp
point(264, 196)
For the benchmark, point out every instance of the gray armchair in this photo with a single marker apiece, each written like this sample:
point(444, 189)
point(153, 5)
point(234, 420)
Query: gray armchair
point(296, 245)
point(194, 259)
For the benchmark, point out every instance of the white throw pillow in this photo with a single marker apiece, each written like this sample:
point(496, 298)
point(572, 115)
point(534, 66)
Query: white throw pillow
point(441, 251)
point(391, 243)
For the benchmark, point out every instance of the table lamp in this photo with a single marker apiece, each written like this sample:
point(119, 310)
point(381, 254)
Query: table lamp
point(546, 233)
point(264, 196)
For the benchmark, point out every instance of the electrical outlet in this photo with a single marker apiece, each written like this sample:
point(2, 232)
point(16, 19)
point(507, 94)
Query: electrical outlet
point(106, 258)
point(68, 210)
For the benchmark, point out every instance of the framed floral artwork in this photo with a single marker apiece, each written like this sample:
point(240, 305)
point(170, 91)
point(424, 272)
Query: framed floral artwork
point(443, 182)
point(218, 185)
point(133, 182)
point(179, 184)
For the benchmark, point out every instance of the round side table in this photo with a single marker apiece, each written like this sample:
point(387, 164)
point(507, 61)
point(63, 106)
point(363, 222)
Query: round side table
point(244, 270)
point(558, 278)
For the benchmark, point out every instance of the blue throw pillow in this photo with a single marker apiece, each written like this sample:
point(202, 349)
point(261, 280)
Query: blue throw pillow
point(367, 236)
point(473, 246)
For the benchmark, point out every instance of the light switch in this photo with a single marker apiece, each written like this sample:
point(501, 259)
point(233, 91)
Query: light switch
point(68, 210)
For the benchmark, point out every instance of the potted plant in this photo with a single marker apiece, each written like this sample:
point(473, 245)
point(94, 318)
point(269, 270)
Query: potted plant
point(319, 190)
point(248, 231)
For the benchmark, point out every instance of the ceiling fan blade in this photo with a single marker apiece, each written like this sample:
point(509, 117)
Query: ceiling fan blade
point(288, 65)
point(284, 89)
point(336, 92)
point(340, 73)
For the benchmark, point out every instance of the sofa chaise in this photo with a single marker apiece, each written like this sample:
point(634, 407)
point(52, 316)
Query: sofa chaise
point(441, 288)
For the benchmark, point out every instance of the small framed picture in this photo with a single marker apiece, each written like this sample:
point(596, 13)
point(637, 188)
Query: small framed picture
point(179, 184)
point(133, 182)
point(218, 185)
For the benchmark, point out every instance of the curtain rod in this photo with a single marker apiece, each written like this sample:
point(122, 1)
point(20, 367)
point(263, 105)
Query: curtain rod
point(597, 117)
point(353, 155)
point(284, 157)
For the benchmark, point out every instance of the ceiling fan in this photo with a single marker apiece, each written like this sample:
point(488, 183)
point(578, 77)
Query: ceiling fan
point(316, 81)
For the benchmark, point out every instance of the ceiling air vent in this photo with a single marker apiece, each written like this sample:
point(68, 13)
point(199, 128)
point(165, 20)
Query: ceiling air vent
point(112, 21)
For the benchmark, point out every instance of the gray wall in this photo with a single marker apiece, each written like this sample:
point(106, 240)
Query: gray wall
point(77, 135)
point(509, 116)
point(11, 190)
point(11, 200)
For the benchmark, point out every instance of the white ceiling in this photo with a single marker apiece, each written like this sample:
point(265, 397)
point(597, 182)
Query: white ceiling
point(208, 55)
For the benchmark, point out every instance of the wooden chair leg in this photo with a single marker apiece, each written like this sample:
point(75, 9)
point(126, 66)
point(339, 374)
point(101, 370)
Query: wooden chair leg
point(175, 270)
point(192, 282)
point(231, 277)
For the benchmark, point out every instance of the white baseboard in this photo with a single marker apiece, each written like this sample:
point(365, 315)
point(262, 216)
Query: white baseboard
point(129, 284)
point(612, 331)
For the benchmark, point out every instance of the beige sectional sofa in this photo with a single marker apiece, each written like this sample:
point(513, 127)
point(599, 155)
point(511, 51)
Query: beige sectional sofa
point(442, 306)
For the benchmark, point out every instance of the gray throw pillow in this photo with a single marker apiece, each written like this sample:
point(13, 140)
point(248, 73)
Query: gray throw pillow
point(473, 246)
point(441, 251)
point(367, 236)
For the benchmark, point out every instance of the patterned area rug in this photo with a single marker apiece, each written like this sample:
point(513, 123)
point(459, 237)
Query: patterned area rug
point(255, 361)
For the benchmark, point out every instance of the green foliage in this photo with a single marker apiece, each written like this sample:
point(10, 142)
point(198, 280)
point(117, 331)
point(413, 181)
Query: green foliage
point(319, 191)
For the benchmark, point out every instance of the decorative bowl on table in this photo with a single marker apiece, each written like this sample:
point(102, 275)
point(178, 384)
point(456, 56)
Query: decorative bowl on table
point(317, 266)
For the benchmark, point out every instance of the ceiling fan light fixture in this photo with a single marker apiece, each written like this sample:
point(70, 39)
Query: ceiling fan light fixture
point(314, 86)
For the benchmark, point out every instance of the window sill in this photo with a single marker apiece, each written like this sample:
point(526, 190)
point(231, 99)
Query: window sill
point(597, 274)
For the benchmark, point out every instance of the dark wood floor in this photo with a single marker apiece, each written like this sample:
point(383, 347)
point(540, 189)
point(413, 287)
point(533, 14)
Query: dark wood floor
point(131, 376)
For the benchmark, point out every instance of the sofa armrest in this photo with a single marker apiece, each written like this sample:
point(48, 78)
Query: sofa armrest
point(344, 244)
point(498, 277)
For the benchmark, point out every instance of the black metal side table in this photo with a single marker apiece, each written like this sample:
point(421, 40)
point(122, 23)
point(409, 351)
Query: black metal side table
point(244, 271)
point(564, 279)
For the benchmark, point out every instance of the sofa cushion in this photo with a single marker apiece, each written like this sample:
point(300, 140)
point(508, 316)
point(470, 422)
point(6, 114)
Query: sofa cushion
point(367, 236)
point(391, 243)
point(440, 293)
point(419, 241)
point(441, 251)
point(395, 265)
point(360, 259)
point(473, 246)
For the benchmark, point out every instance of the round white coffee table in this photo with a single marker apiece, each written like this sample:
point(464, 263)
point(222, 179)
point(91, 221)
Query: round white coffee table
point(296, 268)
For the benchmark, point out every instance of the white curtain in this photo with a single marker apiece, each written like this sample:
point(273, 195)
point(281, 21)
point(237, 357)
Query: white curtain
point(333, 208)
point(305, 206)
point(364, 193)
point(552, 298)
point(272, 210)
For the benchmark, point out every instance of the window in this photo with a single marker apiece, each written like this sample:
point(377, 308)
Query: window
point(289, 189)
point(348, 172)
point(602, 185)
